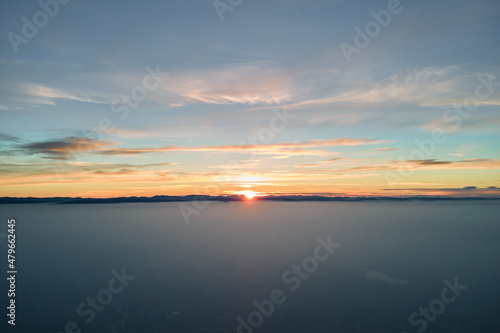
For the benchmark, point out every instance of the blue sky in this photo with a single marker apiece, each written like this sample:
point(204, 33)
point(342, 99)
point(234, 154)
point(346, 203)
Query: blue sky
point(220, 82)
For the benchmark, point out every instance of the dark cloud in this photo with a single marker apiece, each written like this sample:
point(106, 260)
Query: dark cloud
point(64, 148)
point(7, 137)
point(429, 162)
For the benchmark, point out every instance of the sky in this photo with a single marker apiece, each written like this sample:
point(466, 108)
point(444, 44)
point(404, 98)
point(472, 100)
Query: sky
point(178, 97)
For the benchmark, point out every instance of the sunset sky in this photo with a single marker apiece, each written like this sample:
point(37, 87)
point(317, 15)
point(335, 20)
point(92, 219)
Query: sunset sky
point(122, 98)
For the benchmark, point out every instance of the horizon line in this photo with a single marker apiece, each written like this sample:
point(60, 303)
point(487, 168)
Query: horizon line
point(234, 197)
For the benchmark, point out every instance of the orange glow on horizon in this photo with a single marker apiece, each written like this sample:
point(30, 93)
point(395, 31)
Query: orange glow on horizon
point(249, 194)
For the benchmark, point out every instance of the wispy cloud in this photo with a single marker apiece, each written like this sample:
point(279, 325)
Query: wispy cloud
point(40, 94)
point(250, 83)
point(480, 121)
point(429, 164)
point(245, 83)
point(429, 86)
point(278, 148)
point(321, 163)
point(466, 191)
point(385, 149)
point(67, 147)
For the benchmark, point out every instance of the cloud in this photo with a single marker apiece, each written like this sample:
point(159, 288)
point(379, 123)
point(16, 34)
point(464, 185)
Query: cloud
point(385, 149)
point(427, 87)
point(47, 95)
point(64, 148)
point(466, 190)
point(9, 138)
point(476, 163)
point(250, 83)
point(81, 172)
point(6, 108)
point(44, 168)
point(339, 119)
point(429, 164)
point(254, 82)
point(278, 148)
point(321, 163)
point(430, 86)
point(458, 124)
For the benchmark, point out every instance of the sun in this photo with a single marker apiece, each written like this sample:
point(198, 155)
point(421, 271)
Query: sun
point(249, 194)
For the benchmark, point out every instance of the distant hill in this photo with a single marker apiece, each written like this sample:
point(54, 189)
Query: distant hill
point(167, 198)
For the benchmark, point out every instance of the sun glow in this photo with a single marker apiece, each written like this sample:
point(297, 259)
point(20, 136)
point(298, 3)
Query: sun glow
point(249, 194)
